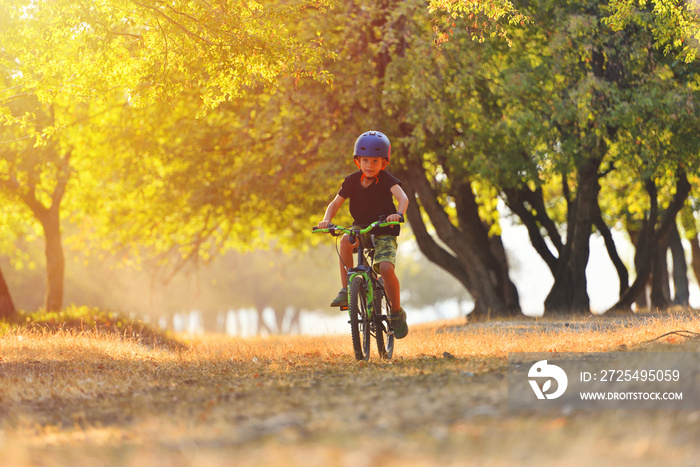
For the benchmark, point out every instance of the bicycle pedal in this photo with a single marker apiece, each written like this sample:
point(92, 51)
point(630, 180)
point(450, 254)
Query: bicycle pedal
point(344, 308)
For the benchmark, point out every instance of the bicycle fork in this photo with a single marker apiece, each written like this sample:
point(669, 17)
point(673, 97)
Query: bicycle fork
point(364, 272)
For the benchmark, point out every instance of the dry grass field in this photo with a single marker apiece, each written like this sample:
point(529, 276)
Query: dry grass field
point(78, 397)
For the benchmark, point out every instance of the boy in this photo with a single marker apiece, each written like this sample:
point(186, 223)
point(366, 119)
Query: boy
point(371, 191)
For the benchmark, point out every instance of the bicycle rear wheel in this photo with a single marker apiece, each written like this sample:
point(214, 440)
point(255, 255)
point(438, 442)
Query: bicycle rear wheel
point(385, 340)
point(358, 318)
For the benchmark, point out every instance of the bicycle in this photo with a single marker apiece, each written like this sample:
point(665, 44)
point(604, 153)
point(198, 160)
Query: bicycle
point(368, 304)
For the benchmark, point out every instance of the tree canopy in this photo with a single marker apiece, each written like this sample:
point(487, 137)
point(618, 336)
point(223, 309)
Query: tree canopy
point(155, 50)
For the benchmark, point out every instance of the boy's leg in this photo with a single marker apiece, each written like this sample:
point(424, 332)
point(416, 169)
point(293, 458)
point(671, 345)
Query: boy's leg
point(391, 285)
point(346, 262)
point(393, 292)
point(384, 259)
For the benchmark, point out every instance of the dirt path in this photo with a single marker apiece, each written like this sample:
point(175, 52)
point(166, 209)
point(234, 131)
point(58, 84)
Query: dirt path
point(315, 410)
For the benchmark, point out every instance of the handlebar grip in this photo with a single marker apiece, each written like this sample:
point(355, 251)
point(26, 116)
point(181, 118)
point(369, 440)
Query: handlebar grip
point(330, 228)
point(382, 219)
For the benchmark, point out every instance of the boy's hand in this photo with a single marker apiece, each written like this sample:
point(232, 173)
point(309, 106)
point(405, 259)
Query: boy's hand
point(394, 218)
point(324, 224)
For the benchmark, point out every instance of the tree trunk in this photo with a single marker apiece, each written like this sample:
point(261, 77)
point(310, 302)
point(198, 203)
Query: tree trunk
point(681, 291)
point(431, 249)
point(489, 248)
point(695, 257)
point(644, 252)
point(261, 325)
point(655, 236)
point(7, 306)
point(660, 289)
point(50, 220)
point(505, 285)
point(569, 292)
point(280, 314)
point(294, 322)
point(567, 260)
point(529, 206)
point(622, 273)
point(468, 253)
point(55, 261)
point(637, 236)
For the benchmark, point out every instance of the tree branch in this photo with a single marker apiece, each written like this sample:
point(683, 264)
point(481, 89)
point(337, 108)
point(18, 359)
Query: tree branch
point(515, 202)
point(174, 23)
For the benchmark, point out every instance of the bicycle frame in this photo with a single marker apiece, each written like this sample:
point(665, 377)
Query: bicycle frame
point(365, 270)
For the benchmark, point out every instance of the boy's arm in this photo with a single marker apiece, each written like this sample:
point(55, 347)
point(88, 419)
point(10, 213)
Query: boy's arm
point(402, 199)
point(331, 211)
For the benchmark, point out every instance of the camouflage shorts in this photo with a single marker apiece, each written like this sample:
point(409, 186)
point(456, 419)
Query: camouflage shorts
point(384, 250)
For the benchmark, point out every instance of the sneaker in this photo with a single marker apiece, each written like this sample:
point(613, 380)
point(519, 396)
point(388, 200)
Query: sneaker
point(342, 299)
point(398, 324)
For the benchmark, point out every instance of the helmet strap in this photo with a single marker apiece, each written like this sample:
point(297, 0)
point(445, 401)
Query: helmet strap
point(373, 179)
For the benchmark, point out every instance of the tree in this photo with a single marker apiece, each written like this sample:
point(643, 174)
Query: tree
point(568, 95)
point(36, 174)
point(659, 145)
point(560, 137)
point(57, 55)
point(675, 31)
point(391, 74)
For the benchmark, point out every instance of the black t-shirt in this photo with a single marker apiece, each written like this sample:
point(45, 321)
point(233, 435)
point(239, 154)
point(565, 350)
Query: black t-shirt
point(367, 204)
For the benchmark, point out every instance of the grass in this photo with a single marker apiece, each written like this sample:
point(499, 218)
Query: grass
point(85, 319)
point(70, 394)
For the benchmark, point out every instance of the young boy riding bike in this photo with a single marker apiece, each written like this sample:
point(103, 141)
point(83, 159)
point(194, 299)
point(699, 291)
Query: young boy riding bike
point(371, 191)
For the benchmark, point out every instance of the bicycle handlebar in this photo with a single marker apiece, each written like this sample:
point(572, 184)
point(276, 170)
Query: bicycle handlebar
point(353, 230)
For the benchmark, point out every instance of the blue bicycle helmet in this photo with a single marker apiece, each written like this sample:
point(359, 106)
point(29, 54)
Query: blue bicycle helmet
point(372, 144)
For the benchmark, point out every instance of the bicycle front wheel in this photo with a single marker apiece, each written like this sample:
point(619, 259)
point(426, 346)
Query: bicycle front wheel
point(359, 324)
point(385, 339)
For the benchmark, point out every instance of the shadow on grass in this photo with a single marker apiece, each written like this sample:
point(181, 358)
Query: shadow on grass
point(83, 319)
